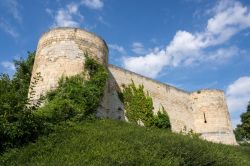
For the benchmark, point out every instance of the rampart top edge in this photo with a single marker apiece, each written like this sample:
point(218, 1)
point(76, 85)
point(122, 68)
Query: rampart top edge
point(76, 29)
point(164, 84)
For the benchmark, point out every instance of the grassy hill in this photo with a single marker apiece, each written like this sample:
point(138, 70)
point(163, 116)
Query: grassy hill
point(108, 142)
point(61, 133)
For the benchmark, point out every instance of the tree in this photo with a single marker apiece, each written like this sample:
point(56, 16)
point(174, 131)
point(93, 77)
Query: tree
point(14, 92)
point(17, 124)
point(74, 99)
point(242, 131)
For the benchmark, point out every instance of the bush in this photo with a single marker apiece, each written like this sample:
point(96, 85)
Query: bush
point(108, 142)
point(56, 111)
point(139, 107)
point(242, 131)
point(161, 120)
point(75, 95)
point(75, 99)
point(17, 124)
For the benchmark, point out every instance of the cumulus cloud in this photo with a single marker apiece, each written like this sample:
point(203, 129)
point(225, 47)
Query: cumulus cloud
point(117, 48)
point(67, 17)
point(238, 96)
point(8, 65)
point(149, 65)
point(70, 16)
point(222, 54)
point(93, 4)
point(229, 17)
point(138, 48)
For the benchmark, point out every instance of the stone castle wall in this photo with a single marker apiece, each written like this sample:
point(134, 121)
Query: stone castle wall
point(61, 52)
point(204, 112)
point(175, 101)
point(211, 116)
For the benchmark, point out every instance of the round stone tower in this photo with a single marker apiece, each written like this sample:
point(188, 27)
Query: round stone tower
point(61, 52)
point(211, 116)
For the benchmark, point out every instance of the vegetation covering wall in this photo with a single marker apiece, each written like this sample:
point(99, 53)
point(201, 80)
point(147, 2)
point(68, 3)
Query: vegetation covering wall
point(139, 108)
point(75, 99)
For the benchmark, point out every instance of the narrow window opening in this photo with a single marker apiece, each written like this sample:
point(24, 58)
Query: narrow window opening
point(205, 120)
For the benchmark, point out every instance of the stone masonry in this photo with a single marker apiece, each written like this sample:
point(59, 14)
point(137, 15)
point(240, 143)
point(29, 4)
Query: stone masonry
point(61, 52)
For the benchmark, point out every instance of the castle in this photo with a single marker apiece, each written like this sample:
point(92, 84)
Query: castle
point(61, 51)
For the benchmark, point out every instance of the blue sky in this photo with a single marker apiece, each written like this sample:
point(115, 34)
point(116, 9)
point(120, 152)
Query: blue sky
point(191, 44)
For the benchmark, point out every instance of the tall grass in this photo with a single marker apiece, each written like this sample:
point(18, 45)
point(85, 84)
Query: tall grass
point(107, 142)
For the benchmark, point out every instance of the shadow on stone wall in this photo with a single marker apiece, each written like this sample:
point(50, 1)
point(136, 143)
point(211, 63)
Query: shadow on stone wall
point(111, 105)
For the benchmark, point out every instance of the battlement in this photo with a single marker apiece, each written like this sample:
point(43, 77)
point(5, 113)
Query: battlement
point(61, 51)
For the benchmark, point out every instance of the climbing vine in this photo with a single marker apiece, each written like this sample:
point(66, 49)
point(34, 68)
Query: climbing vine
point(139, 107)
point(76, 96)
point(75, 99)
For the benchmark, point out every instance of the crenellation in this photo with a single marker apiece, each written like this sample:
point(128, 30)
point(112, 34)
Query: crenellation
point(61, 52)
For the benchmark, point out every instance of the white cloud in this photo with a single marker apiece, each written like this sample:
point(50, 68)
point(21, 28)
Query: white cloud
point(103, 21)
point(72, 8)
point(117, 48)
point(238, 95)
point(13, 7)
point(93, 4)
point(67, 17)
point(229, 17)
point(149, 65)
point(138, 48)
point(5, 26)
point(222, 54)
point(64, 19)
point(8, 65)
point(70, 16)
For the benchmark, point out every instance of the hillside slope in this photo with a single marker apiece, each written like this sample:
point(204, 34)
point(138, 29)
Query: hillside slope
point(108, 142)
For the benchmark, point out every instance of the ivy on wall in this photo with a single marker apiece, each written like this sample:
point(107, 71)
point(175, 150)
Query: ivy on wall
point(76, 98)
point(139, 107)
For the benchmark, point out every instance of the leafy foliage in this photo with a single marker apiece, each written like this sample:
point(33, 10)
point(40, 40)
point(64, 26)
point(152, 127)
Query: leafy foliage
point(107, 142)
point(242, 131)
point(17, 124)
point(139, 107)
point(75, 96)
point(162, 120)
point(75, 99)
point(14, 92)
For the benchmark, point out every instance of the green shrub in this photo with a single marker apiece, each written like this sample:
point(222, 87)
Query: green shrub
point(75, 99)
point(242, 131)
point(56, 111)
point(75, 95)
point(161, 120)
point(139, 107)
point(17, 124)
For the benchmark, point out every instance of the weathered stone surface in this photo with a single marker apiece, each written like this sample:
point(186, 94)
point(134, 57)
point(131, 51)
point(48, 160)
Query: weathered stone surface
point(204, 112)
point(61, 52)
